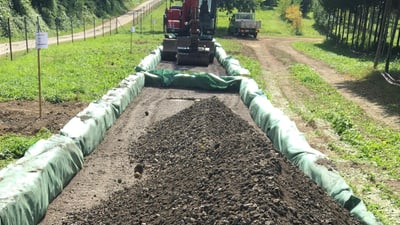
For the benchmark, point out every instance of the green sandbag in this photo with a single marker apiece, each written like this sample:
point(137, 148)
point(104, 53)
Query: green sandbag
point(28, 186)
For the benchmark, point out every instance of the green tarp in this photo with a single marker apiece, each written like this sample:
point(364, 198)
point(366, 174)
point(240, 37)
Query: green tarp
point(203, 81)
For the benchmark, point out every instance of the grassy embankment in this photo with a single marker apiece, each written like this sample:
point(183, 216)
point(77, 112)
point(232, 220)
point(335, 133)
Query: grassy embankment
point(369, 144)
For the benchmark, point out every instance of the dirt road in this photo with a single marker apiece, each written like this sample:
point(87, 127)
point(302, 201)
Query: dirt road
point(276, 54)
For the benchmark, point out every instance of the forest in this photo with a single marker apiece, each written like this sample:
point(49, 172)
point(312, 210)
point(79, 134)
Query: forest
point(366, 26)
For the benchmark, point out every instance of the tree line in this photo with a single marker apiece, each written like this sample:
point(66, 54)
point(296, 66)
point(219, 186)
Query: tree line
point(363, 25)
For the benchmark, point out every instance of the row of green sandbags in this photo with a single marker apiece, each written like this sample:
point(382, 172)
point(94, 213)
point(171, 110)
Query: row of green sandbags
point(29, 185)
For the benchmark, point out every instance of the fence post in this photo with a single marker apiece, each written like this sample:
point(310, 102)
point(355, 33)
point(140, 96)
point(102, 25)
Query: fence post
point(9, 38)
point(110, 25)
point(84, 29)
point(57, 24)
point(116, 25)
point(94, 27)
point(102, 22)
point(26, 35)
point(72, 31)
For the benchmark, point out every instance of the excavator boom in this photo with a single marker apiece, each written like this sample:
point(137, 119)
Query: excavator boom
point(189, 32)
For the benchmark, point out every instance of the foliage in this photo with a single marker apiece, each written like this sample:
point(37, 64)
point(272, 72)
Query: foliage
point(293, 14)
point(240, 5)
point(283, 5)
point(48, 11)
point(13, 146)
point(83, 71)
point(366, 142)
point(306, 6)
point(321, 17)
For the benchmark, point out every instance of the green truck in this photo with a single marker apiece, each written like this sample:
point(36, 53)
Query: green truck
point(244, 24)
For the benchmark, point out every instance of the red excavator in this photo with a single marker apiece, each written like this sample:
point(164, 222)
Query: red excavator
point(189, 30)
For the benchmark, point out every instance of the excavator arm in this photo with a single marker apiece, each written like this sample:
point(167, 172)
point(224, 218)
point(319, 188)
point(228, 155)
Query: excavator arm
point(192, 43)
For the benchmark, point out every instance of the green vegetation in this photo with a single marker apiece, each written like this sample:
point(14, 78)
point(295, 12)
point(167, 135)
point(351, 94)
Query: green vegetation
point(371, 142)
point(365, 141)
point(13, 146)
point(341, 59)
point(271, 24)
point(80, 71)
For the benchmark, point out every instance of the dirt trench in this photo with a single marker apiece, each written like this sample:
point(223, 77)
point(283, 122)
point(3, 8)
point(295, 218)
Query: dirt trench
point(204, 161)
point(206, 165)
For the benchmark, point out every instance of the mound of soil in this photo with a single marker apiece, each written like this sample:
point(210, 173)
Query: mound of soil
point(206, 165)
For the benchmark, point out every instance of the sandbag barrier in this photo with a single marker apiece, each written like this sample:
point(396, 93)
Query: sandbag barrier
point(29, 185)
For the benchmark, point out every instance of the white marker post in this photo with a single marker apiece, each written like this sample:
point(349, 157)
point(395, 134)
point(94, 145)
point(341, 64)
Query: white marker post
point(41, 42)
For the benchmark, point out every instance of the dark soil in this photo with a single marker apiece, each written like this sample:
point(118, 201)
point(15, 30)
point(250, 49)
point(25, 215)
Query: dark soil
point(23, 117)
point(206, 165)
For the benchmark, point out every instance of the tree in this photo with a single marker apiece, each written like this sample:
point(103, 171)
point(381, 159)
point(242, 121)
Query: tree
point(293, 14)
point(240, 5)
point(306, 7)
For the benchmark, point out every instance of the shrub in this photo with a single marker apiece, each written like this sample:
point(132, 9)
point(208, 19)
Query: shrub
point(294, 15)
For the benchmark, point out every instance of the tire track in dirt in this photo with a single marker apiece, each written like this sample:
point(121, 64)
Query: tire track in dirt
point(282, 50)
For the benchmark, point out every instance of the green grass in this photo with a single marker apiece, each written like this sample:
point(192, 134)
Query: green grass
point(341, 59)
point(82, 71)
point(13, 146)
point(368, 141)
point(373, 142)
point(271, 25)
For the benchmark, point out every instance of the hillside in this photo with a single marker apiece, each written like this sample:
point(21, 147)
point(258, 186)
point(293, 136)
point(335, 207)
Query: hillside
point(50, 12)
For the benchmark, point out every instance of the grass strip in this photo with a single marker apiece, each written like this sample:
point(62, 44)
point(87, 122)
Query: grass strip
point(368, 142)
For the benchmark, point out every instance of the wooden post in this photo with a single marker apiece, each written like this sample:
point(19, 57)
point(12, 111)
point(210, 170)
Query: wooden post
point(26, 35)
point(10, 39)
point(57, 24)
point(40, 84)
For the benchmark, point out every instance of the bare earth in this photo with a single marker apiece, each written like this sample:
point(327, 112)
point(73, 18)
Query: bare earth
point(107, 169)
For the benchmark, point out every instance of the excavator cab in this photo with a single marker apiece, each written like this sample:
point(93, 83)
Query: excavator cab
point(189, 33)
